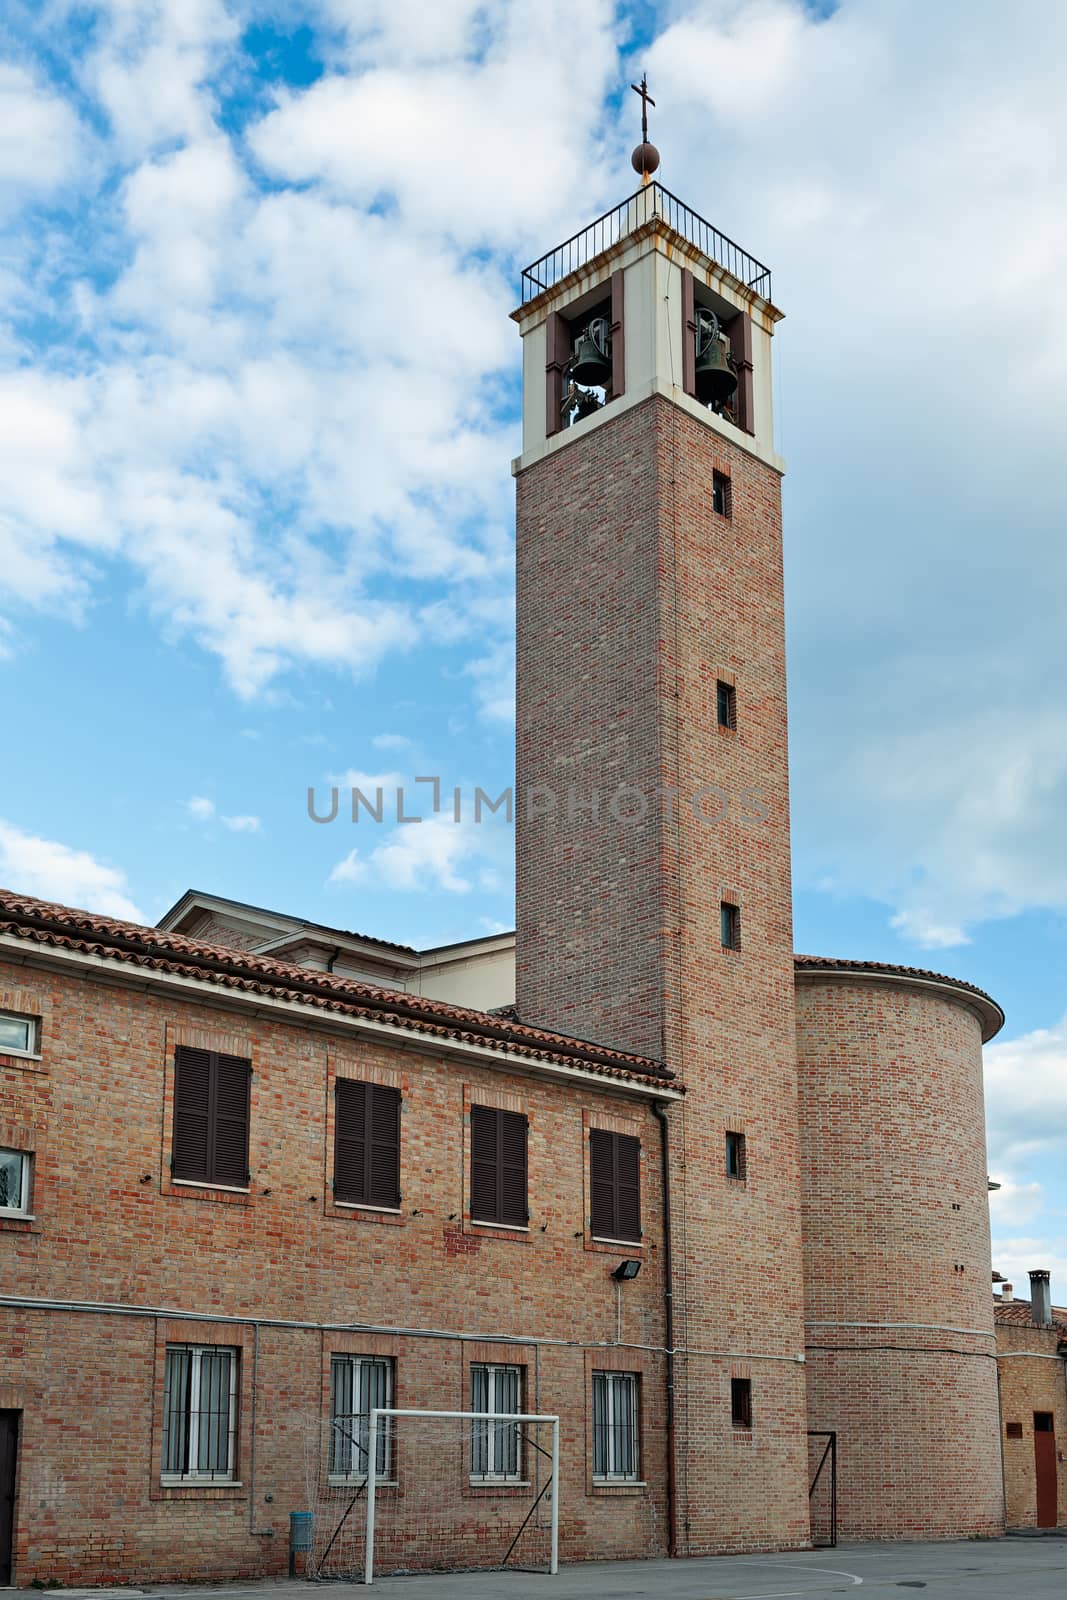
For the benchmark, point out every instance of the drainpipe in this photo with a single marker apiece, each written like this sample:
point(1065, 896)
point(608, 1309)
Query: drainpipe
point(330, 964)
point(660, 1112)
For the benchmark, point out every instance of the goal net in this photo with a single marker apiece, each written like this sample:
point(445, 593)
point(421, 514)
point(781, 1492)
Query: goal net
point(394, 1491)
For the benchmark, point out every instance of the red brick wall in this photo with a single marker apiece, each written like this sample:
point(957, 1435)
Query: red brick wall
point(634, 597)
point(896, 1236)
point(110, 1226)
point(1033, 1377)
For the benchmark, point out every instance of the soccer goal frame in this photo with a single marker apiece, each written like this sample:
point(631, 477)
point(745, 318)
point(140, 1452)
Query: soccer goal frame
point(375, 1421)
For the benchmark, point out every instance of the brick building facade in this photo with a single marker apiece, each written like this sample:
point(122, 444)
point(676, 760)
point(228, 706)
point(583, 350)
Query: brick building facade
point(1032, 1359)
point(791, 1148)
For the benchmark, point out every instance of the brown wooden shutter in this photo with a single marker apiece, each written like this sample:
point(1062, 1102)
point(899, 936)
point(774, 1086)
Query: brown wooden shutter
point(366, 1144)
point(191, 1151)
point(511, 1132)
point(614, 1185)
point(627, 1187)
point(350, 1141)
point(383, 1146)
point(498, 1166)
point(483, 1164)
point(211, 1116)
point(602, 1184)
point(233, 1077)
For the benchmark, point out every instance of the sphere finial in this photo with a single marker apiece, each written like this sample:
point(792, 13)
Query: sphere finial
point(645, 158)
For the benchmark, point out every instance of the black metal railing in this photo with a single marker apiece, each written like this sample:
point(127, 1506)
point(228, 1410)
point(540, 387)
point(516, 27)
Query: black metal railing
point(650, 202)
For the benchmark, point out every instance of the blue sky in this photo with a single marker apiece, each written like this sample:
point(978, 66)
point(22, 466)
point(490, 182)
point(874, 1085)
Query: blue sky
point(259, 395)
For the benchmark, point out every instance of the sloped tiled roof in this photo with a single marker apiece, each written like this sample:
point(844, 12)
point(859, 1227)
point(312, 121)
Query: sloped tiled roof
point(990, 1011)
point(1018, 1313)
point(60, 927)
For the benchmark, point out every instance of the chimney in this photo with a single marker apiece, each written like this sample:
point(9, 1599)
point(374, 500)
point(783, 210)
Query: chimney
point(1040, 1299)
point(1005, 1291)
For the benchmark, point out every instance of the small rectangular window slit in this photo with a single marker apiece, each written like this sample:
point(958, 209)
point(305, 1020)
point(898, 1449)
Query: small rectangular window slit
point(741, 1402)
point(726, 705)
point(730, 923)
point(735, 1156)
point(720, 494)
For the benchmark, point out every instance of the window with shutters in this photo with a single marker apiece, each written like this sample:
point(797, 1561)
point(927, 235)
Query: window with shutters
point(616, 1456)
point(496, 1447)
point(498, 1167)
point(200, 1413)
point(614, 1186)
point(366, 1144)
point(211, 1111)
point(358, 1384)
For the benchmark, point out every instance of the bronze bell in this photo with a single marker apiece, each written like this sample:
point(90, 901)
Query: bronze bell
point(591, 361)
point(715, 380)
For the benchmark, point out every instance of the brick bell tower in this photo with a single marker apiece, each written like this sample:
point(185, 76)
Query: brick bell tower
point(653, 873)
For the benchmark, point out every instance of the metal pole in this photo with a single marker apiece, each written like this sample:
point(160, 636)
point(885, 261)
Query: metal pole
point(372, 1467)
point(554, 1562)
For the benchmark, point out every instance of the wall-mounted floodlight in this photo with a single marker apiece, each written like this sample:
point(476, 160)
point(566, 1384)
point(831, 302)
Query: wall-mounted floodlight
point(626, 1270)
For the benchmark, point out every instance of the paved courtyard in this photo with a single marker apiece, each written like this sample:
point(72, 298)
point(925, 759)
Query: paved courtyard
point(1003, 1569)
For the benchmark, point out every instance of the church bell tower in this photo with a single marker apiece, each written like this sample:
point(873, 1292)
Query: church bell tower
point(653, 873)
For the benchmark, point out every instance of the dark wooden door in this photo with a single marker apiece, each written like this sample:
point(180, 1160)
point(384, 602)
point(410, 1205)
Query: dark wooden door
point(1045, 1465)
point(9, 1434)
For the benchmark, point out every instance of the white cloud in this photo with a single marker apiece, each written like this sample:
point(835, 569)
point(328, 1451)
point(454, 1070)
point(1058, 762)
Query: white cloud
point(53, 871)
point(478, 143)
point(149, 68)
point(350, 869)
point(241, 824)
point(1026, 1096)
point(40, 140)
point(433, 854)
point(205, 810)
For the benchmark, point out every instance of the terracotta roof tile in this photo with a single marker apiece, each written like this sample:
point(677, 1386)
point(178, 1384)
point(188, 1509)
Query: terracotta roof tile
point(1017, 1313)
point(991, 1011)
point(61, 927)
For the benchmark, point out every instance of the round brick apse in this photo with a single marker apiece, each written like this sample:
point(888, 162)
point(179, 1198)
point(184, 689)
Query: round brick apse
point(900, 1339)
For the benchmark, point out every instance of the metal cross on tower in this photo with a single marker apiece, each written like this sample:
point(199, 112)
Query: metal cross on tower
point(646, 101)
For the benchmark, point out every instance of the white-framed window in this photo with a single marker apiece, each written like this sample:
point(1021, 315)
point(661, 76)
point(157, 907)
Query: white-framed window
point(15, 1168)
point(358, 1384)
point(18, 1035)
point(200, 1413)
point(496, 1447)
point(615, 1442)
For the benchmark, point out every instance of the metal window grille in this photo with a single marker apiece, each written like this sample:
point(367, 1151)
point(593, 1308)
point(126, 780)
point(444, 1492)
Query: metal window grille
point(495, 1450)
point(615, 1443)
point(199, 1412)
point(14, 1180)
point(358, 1385)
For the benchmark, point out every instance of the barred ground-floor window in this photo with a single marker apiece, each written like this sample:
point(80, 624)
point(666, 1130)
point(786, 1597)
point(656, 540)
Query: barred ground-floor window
point(358, 1385)
point(200, 1413)
point(616, 1456)
point(496, 1453)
